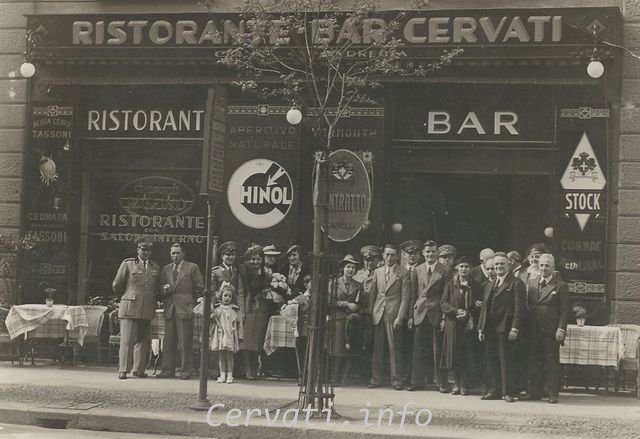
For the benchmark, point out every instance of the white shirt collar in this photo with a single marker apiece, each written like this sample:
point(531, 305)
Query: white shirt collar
point(432, 267)
point(501, 279)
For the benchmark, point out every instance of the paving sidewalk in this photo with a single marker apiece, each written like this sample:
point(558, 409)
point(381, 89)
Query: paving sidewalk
point(93, 398)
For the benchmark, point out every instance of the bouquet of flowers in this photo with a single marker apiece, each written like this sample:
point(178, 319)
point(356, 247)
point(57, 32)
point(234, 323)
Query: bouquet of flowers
point(279, 288)
point(580, 312)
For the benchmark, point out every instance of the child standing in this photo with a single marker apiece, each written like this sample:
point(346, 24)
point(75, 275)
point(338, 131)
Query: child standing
point(226, 332)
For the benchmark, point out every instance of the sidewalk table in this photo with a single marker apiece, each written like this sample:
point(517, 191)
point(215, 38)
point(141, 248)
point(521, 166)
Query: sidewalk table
point(42, 321)
point(593, 346)
point(280, 334)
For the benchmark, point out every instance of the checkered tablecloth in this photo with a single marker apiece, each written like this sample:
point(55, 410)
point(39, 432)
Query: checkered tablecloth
point(280, 334)
point(42, 321)
point(592, 346)
point(158, 326)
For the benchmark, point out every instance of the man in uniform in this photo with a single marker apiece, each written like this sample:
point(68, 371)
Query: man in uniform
point(388, 306)
point(226, 271)
point(137, 282)
point(548, 308)
point(181, 283)
point(500, 320)
point(447, 255)
point(429, 280)
point(515, 262)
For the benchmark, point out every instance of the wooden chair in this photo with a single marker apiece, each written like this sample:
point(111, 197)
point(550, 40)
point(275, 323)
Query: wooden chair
point(114, 333)
point(631, 359)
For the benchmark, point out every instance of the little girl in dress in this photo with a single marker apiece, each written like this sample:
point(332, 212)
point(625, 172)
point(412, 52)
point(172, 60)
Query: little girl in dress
point(226, 332)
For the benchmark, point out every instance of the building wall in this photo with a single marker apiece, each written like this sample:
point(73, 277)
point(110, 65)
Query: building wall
point(624, 229)
point(624, 236)
point(13, 97)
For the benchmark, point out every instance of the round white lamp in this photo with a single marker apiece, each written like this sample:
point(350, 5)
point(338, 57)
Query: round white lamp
point(396, 227)
point(595, 68)
point(27, 69)
point(294, 116)
point(548, 232)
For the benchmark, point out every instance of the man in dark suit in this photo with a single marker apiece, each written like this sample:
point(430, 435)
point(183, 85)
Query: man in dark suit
point(411, 256)
point(480, 273)
point(181, 283)
point(548, 307)
point(137, 281)
point(388, 306)
point(429, 280)
point(499, 325)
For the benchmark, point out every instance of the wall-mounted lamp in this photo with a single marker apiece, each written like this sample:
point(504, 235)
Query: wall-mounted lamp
point(294, 116)
point(27, 69)
point(396, 227)
point(595, 68)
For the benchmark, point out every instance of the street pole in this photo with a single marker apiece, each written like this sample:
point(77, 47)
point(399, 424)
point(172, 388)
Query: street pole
point(212, 243)
point(313, 391)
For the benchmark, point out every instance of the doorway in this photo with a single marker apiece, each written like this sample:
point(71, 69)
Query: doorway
point(472, 211)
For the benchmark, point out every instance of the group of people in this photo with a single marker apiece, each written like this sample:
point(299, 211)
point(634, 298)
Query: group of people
point(497, 323)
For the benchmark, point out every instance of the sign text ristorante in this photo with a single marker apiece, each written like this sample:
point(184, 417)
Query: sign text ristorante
point(413, 30)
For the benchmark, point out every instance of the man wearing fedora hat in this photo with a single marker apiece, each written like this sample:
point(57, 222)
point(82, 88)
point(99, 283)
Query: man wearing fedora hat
point(137, 282)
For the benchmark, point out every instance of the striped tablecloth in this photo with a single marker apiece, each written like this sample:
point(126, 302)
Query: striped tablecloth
point(592, 346)
point(280, 334)
point(42, 321)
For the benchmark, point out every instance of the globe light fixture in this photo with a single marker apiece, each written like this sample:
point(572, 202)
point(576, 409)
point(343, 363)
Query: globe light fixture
point(396, 227)
point(294, 116)
point(548, 232)
point(595, 68)
point(27, 70)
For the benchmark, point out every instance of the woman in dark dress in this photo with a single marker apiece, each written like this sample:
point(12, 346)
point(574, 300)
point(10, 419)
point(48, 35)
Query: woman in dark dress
point(460, 297)
point(253, 282)
point(344, 293)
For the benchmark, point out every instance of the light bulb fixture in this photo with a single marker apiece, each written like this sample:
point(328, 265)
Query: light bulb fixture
point(294, 116)
point(396, 227)
point(595, 68)
point(27, 69)
point(548, 232)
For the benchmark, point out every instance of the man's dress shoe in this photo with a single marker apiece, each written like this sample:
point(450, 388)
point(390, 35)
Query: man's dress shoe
point(122, 375)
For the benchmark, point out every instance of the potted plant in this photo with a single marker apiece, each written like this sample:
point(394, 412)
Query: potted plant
point(580, 312)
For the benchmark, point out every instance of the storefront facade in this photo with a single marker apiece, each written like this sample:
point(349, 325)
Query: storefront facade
point(512, 144)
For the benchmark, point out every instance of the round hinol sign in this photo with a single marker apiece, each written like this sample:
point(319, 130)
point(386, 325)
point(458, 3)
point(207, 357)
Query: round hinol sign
point(260, 193)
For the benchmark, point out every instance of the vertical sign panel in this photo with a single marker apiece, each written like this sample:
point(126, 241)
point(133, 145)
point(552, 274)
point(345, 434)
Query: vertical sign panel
point(47, 200)
point(582, 223)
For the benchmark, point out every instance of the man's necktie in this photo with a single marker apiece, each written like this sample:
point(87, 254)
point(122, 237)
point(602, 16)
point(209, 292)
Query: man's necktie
point(144, 264)
point(175, 272)
point(543, 283)
point(428, 275)
point(387, 275)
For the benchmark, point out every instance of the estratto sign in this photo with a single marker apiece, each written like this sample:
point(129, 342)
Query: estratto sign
point(260, 193)
point(349, 195)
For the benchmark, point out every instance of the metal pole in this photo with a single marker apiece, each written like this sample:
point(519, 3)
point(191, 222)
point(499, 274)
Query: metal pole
point(203, 403)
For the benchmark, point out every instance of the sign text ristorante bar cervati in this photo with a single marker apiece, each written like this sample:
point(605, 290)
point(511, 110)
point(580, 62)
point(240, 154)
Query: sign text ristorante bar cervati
point(420, 34)
point(414, 30)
